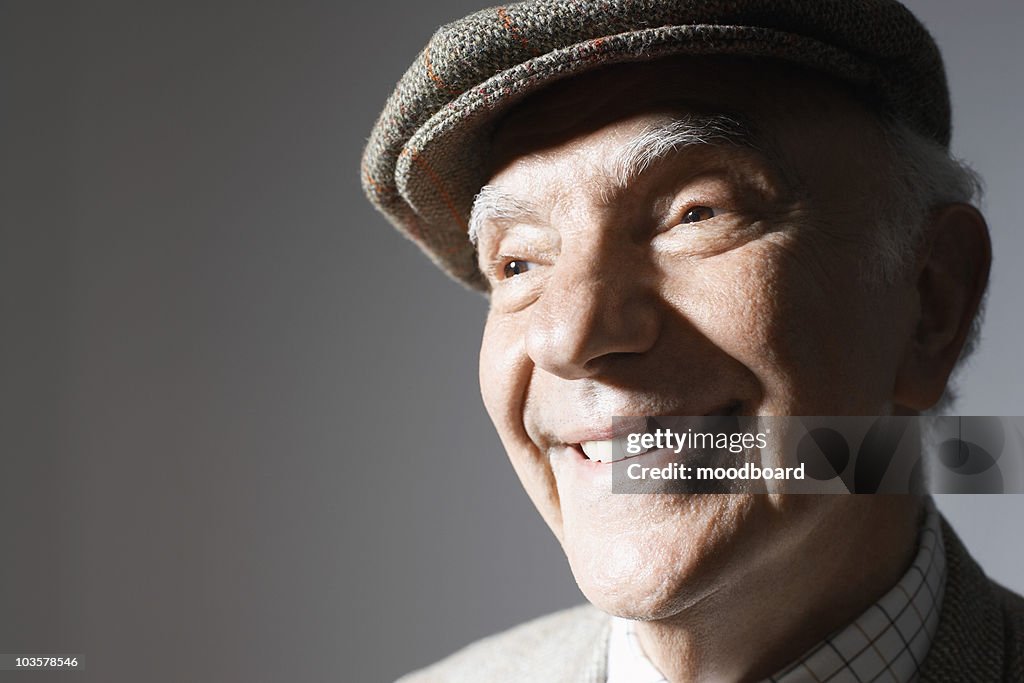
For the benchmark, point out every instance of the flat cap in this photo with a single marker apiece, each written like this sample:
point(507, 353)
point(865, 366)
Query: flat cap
point(425, 158)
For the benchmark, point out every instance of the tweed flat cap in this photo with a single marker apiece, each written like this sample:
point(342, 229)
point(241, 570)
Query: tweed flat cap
point(425, 158)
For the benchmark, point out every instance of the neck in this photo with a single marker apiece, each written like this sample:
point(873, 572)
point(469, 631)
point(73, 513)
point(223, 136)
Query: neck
point(780, 604)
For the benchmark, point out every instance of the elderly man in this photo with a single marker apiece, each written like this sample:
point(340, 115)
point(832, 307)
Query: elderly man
point(707, 208)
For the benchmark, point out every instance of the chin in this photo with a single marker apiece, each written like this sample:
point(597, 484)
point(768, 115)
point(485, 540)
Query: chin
point(641, 600)
point(659, 555)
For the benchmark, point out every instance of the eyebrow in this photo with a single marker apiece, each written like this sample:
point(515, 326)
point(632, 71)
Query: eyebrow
point(494, 203)
point(655, 143)
point(673, 135)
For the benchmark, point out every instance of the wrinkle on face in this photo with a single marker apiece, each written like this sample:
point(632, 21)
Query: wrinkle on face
point(625, 310)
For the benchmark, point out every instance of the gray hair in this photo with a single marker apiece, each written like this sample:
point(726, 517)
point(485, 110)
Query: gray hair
point(673, 135)
point(922, 176)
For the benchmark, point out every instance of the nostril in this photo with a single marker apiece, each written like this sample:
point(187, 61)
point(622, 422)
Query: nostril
point(603, 363)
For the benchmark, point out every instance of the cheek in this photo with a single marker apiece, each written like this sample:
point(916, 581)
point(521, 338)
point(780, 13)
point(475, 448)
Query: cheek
point(835, 340)
point(504, 373)
point(505, 376)
point(806, 331)
point(735, 300)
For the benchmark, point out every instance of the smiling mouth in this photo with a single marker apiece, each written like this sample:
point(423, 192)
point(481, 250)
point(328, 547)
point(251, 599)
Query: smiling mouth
point(614, 450)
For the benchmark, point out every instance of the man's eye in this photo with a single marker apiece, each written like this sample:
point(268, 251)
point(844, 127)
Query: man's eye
point(517, 267)
point(697, 214)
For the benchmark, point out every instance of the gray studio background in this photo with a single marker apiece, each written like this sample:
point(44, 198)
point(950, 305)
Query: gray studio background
point(239, 418)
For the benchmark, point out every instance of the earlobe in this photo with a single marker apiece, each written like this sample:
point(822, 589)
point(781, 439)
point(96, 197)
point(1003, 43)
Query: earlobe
point(952, 276)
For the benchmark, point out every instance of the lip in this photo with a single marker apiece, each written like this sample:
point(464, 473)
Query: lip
point(578, 470)
point(581, 455)
point(571, 439)
point(618, 427)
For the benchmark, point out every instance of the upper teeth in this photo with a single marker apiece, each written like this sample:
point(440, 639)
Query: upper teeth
point(602, 451)
point(605, 451)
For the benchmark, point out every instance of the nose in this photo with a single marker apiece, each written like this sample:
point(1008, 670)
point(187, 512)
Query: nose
point(593, 308)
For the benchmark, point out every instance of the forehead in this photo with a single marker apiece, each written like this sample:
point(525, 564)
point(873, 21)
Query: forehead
point(799, 119)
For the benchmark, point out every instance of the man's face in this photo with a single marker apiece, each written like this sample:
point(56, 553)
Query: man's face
point(628, 280)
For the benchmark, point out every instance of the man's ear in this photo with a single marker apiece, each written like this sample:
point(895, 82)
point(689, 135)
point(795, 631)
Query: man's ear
point(952, 276)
